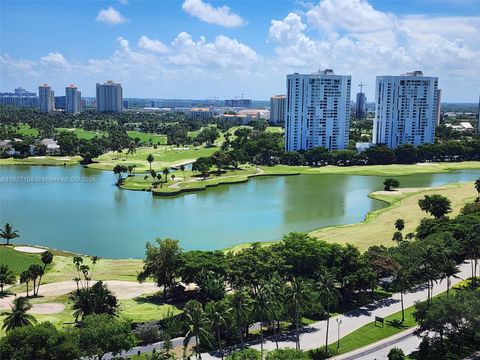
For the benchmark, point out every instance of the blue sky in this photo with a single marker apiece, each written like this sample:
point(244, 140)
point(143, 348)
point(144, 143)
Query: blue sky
point(202, 48)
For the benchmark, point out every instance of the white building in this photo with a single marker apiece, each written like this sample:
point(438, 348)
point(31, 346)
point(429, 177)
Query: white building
point(51, 146)
point(278, 105)
point(254, 114)
point(318, 111)
point(73, 102)
point(109, 97)
point(406, 109)
point(46, 98)
point(201, 113)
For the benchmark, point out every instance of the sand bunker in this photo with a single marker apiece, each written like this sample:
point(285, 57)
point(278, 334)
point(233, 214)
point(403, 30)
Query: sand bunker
point(29, 249)
point(122, 289)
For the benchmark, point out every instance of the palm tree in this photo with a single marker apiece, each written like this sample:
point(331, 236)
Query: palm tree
point(165, 172)
point(132, 148)
point(195, 319)
point(8, 233)
point(276, 297)
point(400, 224)
point(35, 271)
point(215, 313)
point(297, 295)
point(397, 237)
point(329, 296)
point(261, 310)
point(240, 306)
point(94, 260)
point(7, 277)
point(25, 278)
point(449, 270)
point(47, 258)
point(182, 169)
point(150, 160)
point(97, 299)
point(402, 281)
point(18, 316)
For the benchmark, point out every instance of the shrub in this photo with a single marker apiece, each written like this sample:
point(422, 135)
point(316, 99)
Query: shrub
point(391, 183)
point(250, 354)
point(321, 353)
point(288, 354)
point(148, 333)
point(396, 354)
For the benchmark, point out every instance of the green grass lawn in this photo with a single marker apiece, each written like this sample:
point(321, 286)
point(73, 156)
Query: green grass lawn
point(16, 260)
point(43, 161)
point(146, 308)
point(26, 130)
point(370, 333)
point(164, 156)
point(381, 170)
point(145, 137)
point(141, 309)
point(192, 180)
point(83, 134)
point(275, 129)
point(378, 228)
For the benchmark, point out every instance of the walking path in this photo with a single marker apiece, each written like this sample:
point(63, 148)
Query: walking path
point(122, 289)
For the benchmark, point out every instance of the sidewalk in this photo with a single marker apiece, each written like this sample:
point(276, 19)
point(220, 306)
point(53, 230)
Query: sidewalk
point(313, 336)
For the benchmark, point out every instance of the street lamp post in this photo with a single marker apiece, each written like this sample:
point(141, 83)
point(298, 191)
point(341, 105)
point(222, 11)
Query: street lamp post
point(339, 322)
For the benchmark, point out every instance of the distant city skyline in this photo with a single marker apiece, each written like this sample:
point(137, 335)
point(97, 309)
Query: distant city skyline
point(196, 49)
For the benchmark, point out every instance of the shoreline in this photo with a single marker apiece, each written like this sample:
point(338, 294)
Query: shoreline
point(392, 200)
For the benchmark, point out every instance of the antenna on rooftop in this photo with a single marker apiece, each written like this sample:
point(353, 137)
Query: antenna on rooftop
point(361, 85)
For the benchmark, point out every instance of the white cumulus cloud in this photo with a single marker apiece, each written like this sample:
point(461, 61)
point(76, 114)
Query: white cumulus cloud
point(221, 15)
point(111, 16)
point(152, 45)
point(350, 15)
point(54, 58)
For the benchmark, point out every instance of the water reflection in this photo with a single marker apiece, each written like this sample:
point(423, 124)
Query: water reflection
point(98, 218)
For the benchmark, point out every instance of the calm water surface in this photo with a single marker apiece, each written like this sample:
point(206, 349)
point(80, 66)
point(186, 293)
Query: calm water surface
point(98, 218)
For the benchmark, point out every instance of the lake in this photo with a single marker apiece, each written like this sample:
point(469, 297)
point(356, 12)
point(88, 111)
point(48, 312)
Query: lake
point(50, 206)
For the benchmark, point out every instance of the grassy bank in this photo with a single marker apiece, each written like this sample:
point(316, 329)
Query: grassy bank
point(378, 227)
point(189, 181)
point(43, 161)
point(17, 261)
point(382, 170)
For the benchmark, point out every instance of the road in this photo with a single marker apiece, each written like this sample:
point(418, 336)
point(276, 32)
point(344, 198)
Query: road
point(405, 340)
point(313, 336)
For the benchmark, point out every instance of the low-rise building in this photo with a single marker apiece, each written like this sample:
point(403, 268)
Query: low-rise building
point(201, 113)
point(52, 146)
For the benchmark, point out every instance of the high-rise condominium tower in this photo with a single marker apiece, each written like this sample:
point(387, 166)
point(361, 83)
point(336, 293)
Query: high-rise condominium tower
point(46, 98)
point(438, 106)
point(277, 108)
point(109, 97)
point(73, 103)
point(406, 109)
point(318, 111)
